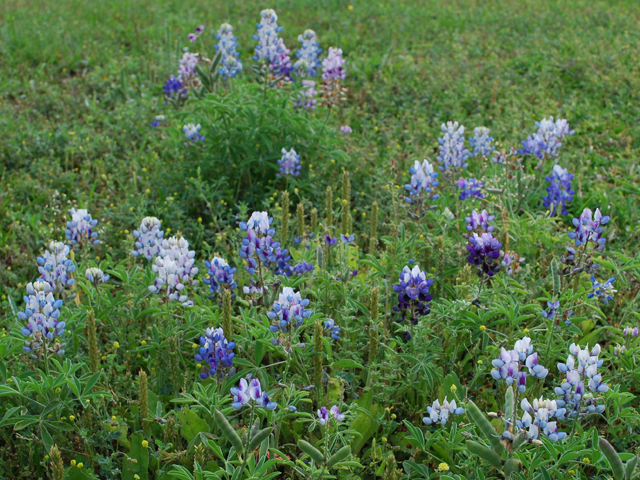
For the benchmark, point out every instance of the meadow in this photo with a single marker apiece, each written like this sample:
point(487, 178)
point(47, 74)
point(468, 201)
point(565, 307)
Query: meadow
point(319, 239)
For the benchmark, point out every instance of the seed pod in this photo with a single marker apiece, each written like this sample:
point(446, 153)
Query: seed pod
point(258, 438)
point(485, 453)
point(312, 451)
point(485, 426)
point(340, 455)
point(614, 459)
point(228, 431)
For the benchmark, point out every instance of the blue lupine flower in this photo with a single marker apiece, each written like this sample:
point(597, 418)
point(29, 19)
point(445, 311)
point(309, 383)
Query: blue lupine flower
point(301, 268)
point(148, 238)
point(230, 63)
point(55, 268)
point(289, 311)
point(248, 391)
point(292, 408)
point(278, 261)
point(330, 324)
point(552, 309)
point(42, 311)
point(633, 331)
point(511, 262)
point(220, 275)
point(484, 252)
point(188, 63)
point(330, 240)
point(509, 366)
point(325, 415)
point(481, 142)
point(175, 88)
point(157, 120)
point(270, 48)
point(259, 246)
point(440, 413)
point(536, 420)
point(346, 129)
point(559, 191)
point(547, 140)
point(307, 54)
point(347, 238)
point(192, 132)
point(289, 163)
point(81, 227)
point(603, 291)
point(194, 36)
point(413, 294)
point(216, 352)
point(480, 221)
point(174, 270)
point(96, 276)
point(423, 181)
point(589, 228)
point(452, 150)
point(307, 96)
point(470, 188)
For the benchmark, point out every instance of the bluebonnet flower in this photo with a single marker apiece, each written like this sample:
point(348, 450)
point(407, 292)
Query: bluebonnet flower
point(174, 270)
point(480, 221)
point(188, 64)
point(330, 324)
point(230, 63)
point(174, 88)
point(157, 120)
point(547, 140)
point(192, 132)
point(333, 72)
point(271, 48)
point(501, 156)
point(289, 311)
point(423, 181)
point(325, 415)
point(510, 365)
point(81, 227)
point(289, 163)
point(42, 311)
point(552, 308)
point(279, 261)
point(220, 275)
point(575, 398)
point(452, 151)
point(484, 252)
point(307, 97)
point(54, 266)
point(259, 246)
point(440, 413)
point(413, 294)
point(347, 238)
point(619, 350)
point(633, 331)
point(292, 408)
point(536, 420)
point(248, 391)
point(307, 54)
point(96, 276)
point(481, 142)
point(589, 228)
point(470, 188)
point(603, 291)
point(559, 191)
point(194, 36)
point(216, 352)
point(148, 238)
point(301, 268)
point(512, 262)
point(346, 129)
point(330, 240)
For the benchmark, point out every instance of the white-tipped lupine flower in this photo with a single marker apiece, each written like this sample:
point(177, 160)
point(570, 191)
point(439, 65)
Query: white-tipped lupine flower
point(148, 238)
point(81, 227)
point(452, 150)
point(230, 63)
point(96, 276)
point(174, 270)
point(481, 142)
point(308, 54)
point(55, 267)
point(441, 413)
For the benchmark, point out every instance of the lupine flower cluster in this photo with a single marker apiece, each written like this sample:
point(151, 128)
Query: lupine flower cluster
point(289, 163)
point(157, 120)
point(559, 191)
point(248, 391)
point(333, 72)
point(634, 332)
point(220, 276)
point(452, 150)
point(96, 276)
point(325, 415)
point(230, 63)
point(589, 228)
point(192, 132)
point(413, 294)
point(307, 54)
point(330, 241)
point(547, 140)
point(148, 238)
point(510, 365)
point(470, 188)
point(216, 352)
point(307, 97)
point(42, 311)
point(55, 267)
point(174, 270)
point(552, 309)
point(484, 252)
point(512, 262)
point(535, 419)
point(194, 36)
point(481, 142)
point(480, 221)
point(423, 181)
point(81, 227)
point(440, 413)
point(175, 89)
point(288, 311)
point(501, 156)
point(259, 246)
point(301, 268)
point(346, 129)
point(187, 68)
point(335, 329)
point(580, 370)
point(347, 238)
point(271, 48)
point(603, 291)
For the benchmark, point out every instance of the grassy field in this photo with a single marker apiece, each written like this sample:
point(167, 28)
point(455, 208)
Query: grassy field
point(80, 82)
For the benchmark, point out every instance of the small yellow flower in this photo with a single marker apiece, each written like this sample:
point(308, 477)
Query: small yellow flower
point(193, 345)
point(586, 460)
point(443, 467)
point(453, 388)
point(526, 330)
point(57, 390)
point(113, 418)
point(72, 417)
point(116, 345)
point(147, 191)
point(145, 444)
point(72, 462)
point(393, 416)
point(199, 365)
point(384, 439)
point(482, 328)
point(350, 7)
point(199, 219)
point(143, 342)
point(480, 362)
point(80, 465)
point(136, 477)
point(375, 128)
point(103, 358)
point(63, 418)
point(46, 457)
point(571, 472)
point(344, 201)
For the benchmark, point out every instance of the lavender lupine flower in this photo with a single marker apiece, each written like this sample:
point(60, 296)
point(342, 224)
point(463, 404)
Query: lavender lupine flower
point(481, 142)
point(188, 64)
point(251, 390)
point(174, 270)
point(440, 413)
point(547, 140)
point(423, 181)
point(148, 238)
point(484, 252)
point(470, 188)
point(192, 132)
point(81, 227)
point(289, 311)
point(452, 150)
point(603, 291)
point(216, 352)
point(589, 228)
point(583, 368)
point(480, 221)
point(510, 365)
point(54, 266)
point(552, 308)
point(347, 238)
point(559, 191)
point(308, 54)
point(194, 36)
point(512, 262)
point(279, 261)
point(631, 331)
point(289, 163)
point(42, 311)
point(301, 268)
point(96, 276)
point(413, 294)
point(330, 241)
point(619, 350)
point(330, 324)
point(230, 63)
point(325, 415)
point(307, 97)
point(333, 72)
point(346, 129)
point(220, 275)
point(535, 420)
